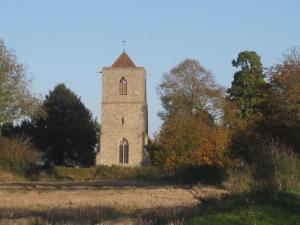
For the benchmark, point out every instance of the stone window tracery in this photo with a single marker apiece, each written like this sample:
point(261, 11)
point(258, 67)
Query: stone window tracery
point(123, 151)
point(123, 86)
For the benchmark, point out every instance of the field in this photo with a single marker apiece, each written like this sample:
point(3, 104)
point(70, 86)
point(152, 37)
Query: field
point(106, 202)
point(140, 202)
point(113, 195)
point(282, 208)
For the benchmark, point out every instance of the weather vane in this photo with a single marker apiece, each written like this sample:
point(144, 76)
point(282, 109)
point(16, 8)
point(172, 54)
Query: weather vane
point(123, 43)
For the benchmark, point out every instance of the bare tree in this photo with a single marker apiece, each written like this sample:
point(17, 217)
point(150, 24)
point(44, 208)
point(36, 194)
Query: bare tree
point(190, 89)
point(16, 100)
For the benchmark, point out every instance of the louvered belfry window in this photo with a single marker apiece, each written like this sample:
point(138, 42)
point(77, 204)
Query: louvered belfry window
point(123, 86)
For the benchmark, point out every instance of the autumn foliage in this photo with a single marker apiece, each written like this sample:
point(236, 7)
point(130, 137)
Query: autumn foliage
point(185, 142)
point(192, 133)
point(213, 147)
point(205, 128)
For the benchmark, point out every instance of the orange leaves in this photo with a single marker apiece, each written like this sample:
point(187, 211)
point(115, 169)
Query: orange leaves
point(186, 141)
point(213, 145)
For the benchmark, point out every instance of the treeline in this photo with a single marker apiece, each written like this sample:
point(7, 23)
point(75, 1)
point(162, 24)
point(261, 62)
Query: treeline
point(254, 125)
point(56, 130)
point(207, 133)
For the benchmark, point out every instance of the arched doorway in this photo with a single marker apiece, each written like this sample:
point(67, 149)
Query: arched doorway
point(123, 151)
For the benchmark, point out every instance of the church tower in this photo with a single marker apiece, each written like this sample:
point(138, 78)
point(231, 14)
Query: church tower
point(124, 114)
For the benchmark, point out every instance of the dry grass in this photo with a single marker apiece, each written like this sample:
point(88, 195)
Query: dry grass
point(6, 176)
point(89, 203)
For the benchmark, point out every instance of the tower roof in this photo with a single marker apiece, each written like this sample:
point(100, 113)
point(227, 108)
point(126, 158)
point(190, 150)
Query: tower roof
point(123, 61)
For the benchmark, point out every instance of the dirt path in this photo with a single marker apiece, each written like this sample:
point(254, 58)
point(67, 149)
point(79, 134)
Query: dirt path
point(93, 185)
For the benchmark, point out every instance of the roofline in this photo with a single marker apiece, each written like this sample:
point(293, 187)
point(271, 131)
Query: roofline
point(123, 61)
point(124, 68)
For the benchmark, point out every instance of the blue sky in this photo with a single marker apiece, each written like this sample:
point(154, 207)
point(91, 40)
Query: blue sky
point(69, 40)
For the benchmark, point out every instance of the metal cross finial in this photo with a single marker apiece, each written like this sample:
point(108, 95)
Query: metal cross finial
point(123, 43)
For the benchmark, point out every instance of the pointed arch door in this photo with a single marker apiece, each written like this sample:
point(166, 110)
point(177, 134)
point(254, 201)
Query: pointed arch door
point(123, 151)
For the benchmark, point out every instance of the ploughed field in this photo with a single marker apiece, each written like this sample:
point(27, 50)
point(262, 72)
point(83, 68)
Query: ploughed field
point(101, 202)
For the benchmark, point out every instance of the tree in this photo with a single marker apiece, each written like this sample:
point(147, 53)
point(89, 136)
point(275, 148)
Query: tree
point(192, 104)
point(68, 134)
point(16, 101)
point(189, 141)
point(248, 86)
point(190, 89)
point(282, 107)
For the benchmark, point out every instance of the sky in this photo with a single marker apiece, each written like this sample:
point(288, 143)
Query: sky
point(69, 41)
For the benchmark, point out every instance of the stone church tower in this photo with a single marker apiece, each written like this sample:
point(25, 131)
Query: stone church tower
point(124, 115)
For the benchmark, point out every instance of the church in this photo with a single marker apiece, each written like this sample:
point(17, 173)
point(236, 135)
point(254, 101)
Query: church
point(124, 114)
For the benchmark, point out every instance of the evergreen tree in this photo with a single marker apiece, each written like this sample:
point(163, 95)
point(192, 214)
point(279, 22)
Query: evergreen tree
point(68, 134)
point(248, 86)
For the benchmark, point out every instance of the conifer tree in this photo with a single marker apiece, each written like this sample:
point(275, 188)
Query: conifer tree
point(68, 134)
point(248, 86)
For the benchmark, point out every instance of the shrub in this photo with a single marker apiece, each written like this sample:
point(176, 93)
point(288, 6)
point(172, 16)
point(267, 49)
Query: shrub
point(17, 154)
point(239, 178)
point(189, 142)
point(275, 167)
point(206, 174)
point(99, 172)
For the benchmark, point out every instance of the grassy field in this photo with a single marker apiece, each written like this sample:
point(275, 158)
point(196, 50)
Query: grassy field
point(118, 195)
point(141, 202)
point(114, 202)
point(252, 209)
point(61, 173)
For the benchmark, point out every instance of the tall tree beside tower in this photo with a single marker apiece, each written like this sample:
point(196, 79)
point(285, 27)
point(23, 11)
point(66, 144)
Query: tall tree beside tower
point(190, 136)
point(68, 134)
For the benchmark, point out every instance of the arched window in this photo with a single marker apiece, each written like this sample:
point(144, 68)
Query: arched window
point(123, 86)
point(123, 151)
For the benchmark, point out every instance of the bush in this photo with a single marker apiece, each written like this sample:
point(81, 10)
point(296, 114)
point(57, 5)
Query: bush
point(239, 178)
point(98, 172)
point(206, 174)
point(189, 142)
point(17, 154)
point(275, 167)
